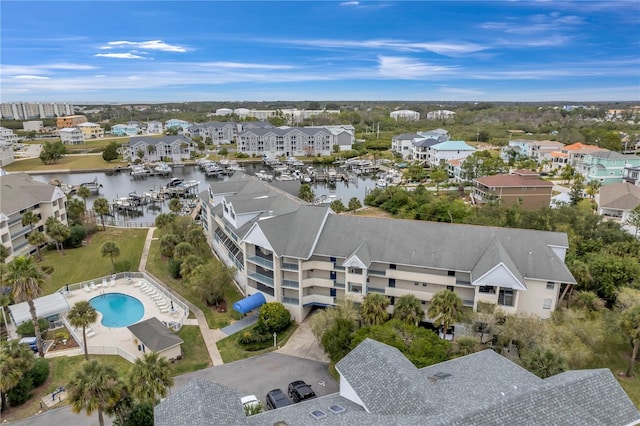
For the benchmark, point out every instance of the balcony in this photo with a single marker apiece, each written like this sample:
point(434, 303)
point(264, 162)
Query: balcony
point(420, 277)
point(397, 292)
point(377, 273)
point(317, 282)
point(290, 284)
point(260, 278)
point(337, 284)
point(289, 266)
point(290, 300)
point(316, 264)
point(260, 261)
point(375, 290)
point(317, 299)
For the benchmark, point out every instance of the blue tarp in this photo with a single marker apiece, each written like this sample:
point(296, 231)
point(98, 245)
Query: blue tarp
point(248, 304)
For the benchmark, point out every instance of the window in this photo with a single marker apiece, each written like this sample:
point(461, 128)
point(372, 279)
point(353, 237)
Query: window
point(487, 289)
point(546, 304)
point(551, 285)
point(392, 282)
point(451, 273)
point(450, 287)
point(506, 297)
point(392, 266)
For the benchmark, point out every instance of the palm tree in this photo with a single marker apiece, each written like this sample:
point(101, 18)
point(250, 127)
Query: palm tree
point(15, 361)
point(445, 309)
point(4, 253)
point(24, 276)
point(30, 219)
point(58, 231)
point(84, 193)
point(630, 325)
point(111, 250)
point(150, 378)
point(374, 309)
point(37, 239)
point(175, 205)
point(182, 250)
point(94, 388)
point(408, 309)
point(81, 315)
point(101, 207)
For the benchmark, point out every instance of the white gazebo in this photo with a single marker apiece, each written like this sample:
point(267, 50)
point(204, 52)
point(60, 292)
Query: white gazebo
point(51, 306)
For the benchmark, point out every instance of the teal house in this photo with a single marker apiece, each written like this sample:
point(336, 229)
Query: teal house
point(607, 166)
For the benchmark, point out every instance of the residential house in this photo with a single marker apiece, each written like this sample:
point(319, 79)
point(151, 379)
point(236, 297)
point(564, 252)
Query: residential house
point(7, 155)
point(454, 169)
point(442, 152)
point(522, 187)
point(441, 134)
point(303, 255)
point(421, 150)
point(380, 386)
point(441, 114)
point(344, 135)
point(19, 194)
point(8, 136)
point(71, 136)
point(631, 174)
point(151, 335)
point(70, 121)
point(167, 148)
point(571, 155)
point(403, 144)
point(606, 166)
point(91, 130)
point(215, 132)
point(405, 114)
point(289, 141)
point(124, 130)
point(154, 128)
point(537, 150)
point(617, 200)
point(175, 123)
point(33, 126)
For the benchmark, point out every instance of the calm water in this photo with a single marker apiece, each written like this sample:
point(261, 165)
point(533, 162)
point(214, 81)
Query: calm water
point(120, 185)
point(117, 309)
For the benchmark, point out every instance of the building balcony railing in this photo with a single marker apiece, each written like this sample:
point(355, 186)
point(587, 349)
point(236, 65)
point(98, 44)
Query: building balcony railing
point(290, 300)
point(260, 278)
point(375, 290)
point(289, 266)
point(20, 233)
point(317, 282)
point(290, 284)
point(378, 273)
point(260, 261)
point(338, 284)
point(320, 299)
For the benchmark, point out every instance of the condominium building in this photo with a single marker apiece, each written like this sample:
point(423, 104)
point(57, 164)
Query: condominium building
point(167, 148)
point(405, 114)
point(19, 194)
point(304, 256)
point(293, 141)
point(28, 111)
point(70, 121)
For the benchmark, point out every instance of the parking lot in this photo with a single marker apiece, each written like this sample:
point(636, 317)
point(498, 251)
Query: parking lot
point(258, 375)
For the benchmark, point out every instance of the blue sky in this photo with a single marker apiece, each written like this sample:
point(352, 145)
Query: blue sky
point(161, 51)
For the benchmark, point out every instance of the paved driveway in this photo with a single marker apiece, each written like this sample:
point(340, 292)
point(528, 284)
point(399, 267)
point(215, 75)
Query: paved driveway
point(256, 376)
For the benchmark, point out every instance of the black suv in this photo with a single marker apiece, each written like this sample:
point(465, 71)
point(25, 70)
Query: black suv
point(300, 391)
point(276, 399)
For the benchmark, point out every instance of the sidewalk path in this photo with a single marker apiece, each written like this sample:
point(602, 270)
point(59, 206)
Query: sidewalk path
point(210, 336)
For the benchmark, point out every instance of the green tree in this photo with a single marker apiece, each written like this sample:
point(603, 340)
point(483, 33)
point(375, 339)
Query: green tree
point(25, 279)
point(544, 362)
point(150, 378)
point(102, 208)
point(274, 317)
point(140, 415)
point(634, 219)
point(408, 309)
point(630, 325)
point(336, 340)
point(175, 205)
point(140, 154)
point(567, 173)
point(189, 264)
point(374, 309)
point(110, 153)
point(589, 301)
point(415, 172)
point(84, 193)
point(592, 188)
point(76, 210)
point(52, 152)
point(354, 204)
point(168, 243)
point(58, 232)
point(211, 280)
point(482, 163)
point(37, 239)
point(15, 361)
point(305, 193)
point(575, 195)
point(4, 253)
point(337, 206)
point(29, 219)
point(322, 320)
point(182, 250)
point(82, 314)
point(112, 251)
point(439, 175)
point(445, 309)
point(164, 219)
point(94, 388)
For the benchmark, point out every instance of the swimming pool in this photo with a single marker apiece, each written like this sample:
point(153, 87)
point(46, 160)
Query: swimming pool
point(117, 309)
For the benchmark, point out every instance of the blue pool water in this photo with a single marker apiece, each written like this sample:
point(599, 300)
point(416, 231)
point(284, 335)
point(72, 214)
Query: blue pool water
point(117, 309)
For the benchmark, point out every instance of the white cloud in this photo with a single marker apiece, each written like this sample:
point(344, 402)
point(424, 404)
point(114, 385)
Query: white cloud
point(350, 3)
point(119, 55)
point(30, 77)
point(409, 68)
point(241, 65)
point(147, 45)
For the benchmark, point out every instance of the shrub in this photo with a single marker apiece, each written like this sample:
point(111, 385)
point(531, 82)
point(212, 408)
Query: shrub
point(61, 334)
point(91, 228)
point(122, 265)
point(77, 235)
point(274, 316)
point(26, 328)
point(39, 373)
point(21, 392)
point(174, 268)
point(254, 340)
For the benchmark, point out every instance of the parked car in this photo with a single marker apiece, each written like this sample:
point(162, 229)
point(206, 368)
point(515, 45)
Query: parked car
point(300, 391)
point(31, 341)
point(276, 399)
point(250, 401)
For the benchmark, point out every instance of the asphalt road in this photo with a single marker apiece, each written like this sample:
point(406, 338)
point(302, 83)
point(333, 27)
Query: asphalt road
point(253, 376)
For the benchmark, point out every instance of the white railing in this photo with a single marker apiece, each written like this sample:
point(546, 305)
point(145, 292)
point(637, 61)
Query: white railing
point(111, 350)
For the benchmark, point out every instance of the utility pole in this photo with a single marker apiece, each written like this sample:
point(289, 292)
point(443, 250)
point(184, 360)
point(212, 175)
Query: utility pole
point(378, 132)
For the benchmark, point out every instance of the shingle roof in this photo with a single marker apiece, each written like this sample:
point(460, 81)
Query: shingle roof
point(20, 191)
point(453, 146)
point(612, 155)
point(155, 141)
point(620, 196)
point(506, 181)
point(155, 335)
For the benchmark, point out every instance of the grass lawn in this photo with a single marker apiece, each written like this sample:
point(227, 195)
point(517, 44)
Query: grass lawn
point(80, 162)
point(158, 267)
point(231, 351)
point(85, 263)
point(194, 351)
point(93, 144)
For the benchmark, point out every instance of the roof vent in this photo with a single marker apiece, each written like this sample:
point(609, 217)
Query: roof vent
point(441, 375)
point(337, 409)
point(318, 414)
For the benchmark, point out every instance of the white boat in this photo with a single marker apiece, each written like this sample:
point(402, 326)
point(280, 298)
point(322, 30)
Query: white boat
point(262, 175)
point(139, 171)
point(162, 169)
point(325, 199)
point(285, 177)
point(381, 183)
point(213, 169)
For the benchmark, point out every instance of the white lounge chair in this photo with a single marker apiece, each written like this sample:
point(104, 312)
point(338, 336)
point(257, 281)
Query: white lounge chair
point(165, 310)
point(158, 296)
point(86, 288)
point(138, 284)
point(93, 286)
point(104, 282)
point(113, 282)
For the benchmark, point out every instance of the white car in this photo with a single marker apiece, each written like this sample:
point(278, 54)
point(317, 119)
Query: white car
point(250, 401)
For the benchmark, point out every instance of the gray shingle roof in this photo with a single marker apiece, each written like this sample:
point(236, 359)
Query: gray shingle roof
point(494, 255)
point(620, 196)
point(20, 191)
point(200, 402)
point(155, 141)
point(155, 335)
